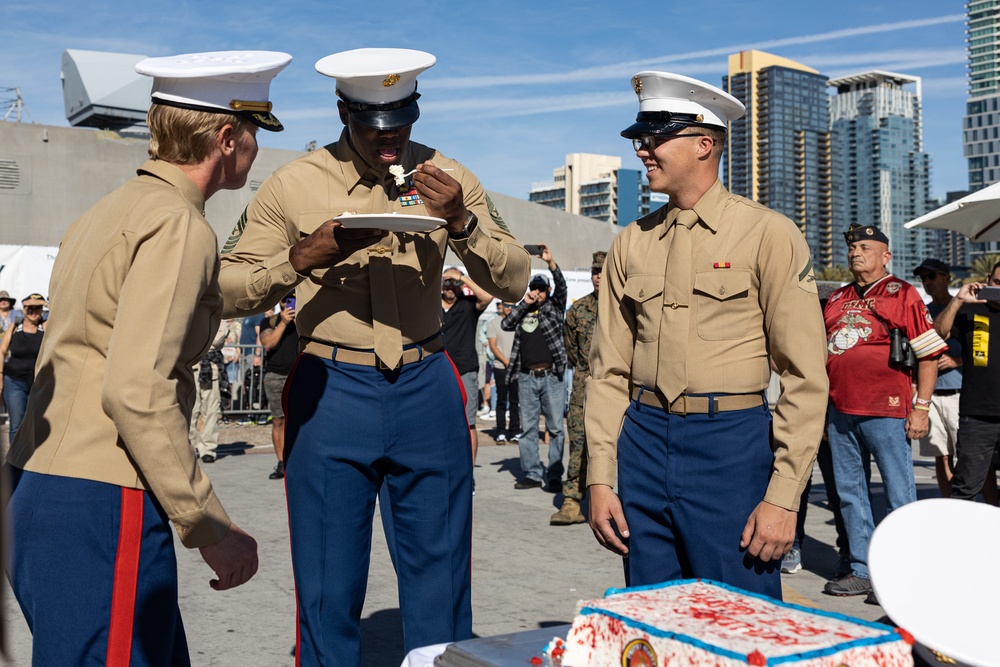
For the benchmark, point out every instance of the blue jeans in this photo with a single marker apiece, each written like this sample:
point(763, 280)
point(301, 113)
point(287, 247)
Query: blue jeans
point(852, 438)
point(15, 396)
point(547, 396)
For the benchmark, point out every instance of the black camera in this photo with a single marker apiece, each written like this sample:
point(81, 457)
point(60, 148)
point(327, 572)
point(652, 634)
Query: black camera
point(900, 352)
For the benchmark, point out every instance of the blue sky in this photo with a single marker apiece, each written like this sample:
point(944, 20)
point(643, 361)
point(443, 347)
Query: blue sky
point(517, 84)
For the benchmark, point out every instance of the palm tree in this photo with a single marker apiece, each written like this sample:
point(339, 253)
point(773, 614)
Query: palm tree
point(980, 269)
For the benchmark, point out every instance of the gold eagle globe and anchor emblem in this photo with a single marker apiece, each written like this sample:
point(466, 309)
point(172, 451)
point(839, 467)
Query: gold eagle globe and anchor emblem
point(636, 84)
point(390, 80)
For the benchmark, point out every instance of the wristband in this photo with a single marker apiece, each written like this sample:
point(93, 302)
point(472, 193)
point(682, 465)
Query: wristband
point(922, 407)
point(922, 401)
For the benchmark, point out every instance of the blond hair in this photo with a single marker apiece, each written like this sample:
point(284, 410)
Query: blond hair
point(719, 135)
point(185, 136)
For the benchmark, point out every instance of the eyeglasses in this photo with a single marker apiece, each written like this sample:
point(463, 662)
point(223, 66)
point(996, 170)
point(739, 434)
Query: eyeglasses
point(652, 141)
point(451, 282)
point(507, 305)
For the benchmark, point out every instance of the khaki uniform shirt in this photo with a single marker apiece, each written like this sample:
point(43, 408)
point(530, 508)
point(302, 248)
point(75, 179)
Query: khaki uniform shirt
point(135, 303)
point(766, 301)
point(334, 304)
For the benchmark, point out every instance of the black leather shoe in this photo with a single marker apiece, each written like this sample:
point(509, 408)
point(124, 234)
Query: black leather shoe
point(208, 458)
point(278, 472)
point(527, 483)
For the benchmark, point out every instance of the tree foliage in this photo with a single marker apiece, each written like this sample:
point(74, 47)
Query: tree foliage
point(980, 269)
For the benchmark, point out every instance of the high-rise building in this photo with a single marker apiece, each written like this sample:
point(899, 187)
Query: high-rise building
point(982, 120)
point(981, 125)
point(950, 247)
point(779, 153)
point(880, 172)
point(595, 186)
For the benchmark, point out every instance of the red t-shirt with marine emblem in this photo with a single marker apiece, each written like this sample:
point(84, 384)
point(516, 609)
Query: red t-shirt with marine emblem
point(861, 380)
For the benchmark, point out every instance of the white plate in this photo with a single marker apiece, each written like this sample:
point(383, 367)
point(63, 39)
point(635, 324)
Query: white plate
point(933, 565)
point(393, 222)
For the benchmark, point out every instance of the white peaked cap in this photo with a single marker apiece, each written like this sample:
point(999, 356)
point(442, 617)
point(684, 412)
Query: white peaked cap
point(235, 82)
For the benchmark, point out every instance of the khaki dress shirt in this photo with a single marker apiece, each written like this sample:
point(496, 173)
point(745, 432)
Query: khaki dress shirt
point(753, 293)
point(334, 304)
point(135, 303)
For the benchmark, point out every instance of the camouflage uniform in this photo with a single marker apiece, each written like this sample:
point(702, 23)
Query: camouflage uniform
point(579, 330)
point(580, 322)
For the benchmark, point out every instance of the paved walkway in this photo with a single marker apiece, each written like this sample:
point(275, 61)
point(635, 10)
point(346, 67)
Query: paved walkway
point(526, 574)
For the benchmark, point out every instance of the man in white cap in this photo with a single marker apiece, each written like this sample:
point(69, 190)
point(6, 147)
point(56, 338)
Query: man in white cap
point(694, 298)
point(102, 463)
point(373, 401)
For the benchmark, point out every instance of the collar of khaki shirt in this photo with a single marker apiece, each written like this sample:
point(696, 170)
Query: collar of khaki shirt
point(709, 208)
point(174, 176)
point(356, 170)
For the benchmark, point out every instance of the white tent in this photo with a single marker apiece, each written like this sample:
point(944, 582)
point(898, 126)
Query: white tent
point(26, 269)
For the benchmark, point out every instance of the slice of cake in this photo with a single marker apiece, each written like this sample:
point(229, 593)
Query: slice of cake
point(704, 623)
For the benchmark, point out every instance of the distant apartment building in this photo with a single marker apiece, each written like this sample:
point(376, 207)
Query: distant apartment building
point(779, 153)
point(981, 125)
point(948, 246)
point(595, 186)
point(881, 175)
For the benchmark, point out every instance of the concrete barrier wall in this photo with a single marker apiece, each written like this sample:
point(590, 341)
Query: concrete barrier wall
point(50, 175)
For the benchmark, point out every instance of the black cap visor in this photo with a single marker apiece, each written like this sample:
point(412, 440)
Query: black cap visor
point(264, 120)
point(386, 117)
point(663, 122)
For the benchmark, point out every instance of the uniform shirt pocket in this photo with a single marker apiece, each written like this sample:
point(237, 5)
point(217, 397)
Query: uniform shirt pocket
point(308, 222)
point(723, 302)
point(645, 294)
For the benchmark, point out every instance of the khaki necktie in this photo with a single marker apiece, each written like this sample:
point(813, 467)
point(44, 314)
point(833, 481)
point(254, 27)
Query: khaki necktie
point(675, 324)
point(385, 309)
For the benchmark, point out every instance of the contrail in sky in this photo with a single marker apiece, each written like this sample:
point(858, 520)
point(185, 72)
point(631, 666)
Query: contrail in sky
point(628, 68)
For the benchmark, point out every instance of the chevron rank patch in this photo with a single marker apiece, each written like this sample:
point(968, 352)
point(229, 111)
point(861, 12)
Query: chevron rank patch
point(495, 214)
point(234, 236)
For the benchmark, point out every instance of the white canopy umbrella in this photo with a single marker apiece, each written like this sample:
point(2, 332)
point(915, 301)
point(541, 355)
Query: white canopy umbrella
point(976, 215)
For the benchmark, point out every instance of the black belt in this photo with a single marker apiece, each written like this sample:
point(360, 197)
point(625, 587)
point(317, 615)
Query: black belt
point(540, 372)
point(946, 392)
point(702, 405)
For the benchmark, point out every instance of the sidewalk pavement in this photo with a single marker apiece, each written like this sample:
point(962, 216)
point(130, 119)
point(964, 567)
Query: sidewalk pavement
point(526, 574)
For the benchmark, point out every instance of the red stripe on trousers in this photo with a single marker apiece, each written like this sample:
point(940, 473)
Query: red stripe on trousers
point(458, 378)
point(126, 579)
point(284, 410)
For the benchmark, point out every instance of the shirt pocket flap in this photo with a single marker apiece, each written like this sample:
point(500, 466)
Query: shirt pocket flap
point(723, 285)
point(310, 221)
point(643, 288)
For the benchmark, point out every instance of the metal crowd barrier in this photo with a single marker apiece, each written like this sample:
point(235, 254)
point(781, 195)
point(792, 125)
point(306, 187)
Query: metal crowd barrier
point(247, 401)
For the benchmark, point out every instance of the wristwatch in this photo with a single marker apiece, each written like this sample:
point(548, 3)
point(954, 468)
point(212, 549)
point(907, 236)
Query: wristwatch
point(470, 224)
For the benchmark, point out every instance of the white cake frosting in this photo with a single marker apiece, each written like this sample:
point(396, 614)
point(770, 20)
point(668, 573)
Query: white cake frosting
point(701, 623)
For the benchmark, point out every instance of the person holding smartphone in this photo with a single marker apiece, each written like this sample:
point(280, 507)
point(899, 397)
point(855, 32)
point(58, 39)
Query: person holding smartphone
point(538, 363)
point(280, 341)
point(970, 319)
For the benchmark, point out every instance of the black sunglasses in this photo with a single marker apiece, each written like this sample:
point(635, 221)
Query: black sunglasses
point(652, 141)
